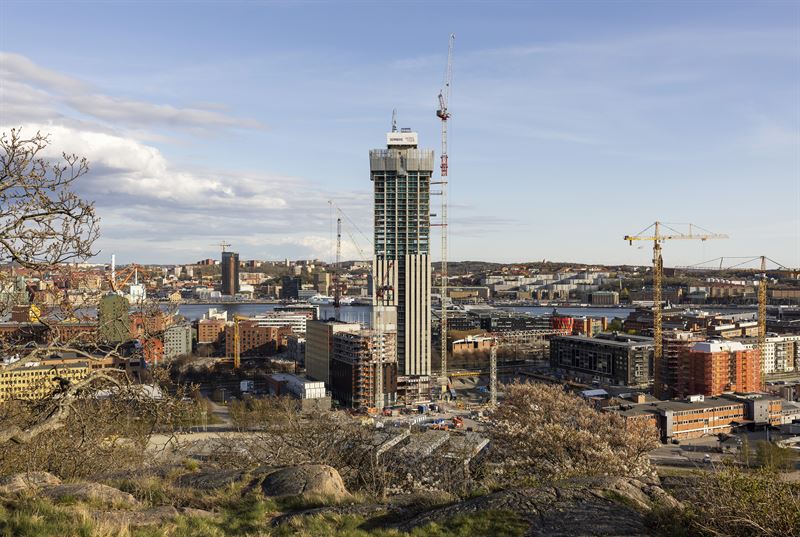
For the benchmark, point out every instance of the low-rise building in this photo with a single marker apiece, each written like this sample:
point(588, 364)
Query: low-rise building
point(35, 380)
point(698, 416)
point(604, 298)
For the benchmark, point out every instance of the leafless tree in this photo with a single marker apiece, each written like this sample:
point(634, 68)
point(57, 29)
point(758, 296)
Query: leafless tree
point(45, 226)
point(43, 222)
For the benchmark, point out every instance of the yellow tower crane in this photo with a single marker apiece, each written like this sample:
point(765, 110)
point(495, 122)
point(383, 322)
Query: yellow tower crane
point(763, 283)
point(237, 347)
point(654, 233)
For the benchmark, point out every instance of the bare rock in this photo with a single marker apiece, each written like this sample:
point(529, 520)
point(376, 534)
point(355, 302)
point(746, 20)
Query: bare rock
point(27, 481)
point(306, 480)
point(210, 480)
point(600, 506)
point(95, 492)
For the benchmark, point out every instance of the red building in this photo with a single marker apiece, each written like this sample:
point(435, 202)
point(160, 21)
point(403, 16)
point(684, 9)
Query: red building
point(713, 367)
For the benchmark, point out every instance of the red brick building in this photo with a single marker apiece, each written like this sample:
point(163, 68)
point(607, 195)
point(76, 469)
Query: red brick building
point(210, 331)
point(255, 340)
point(713, 367)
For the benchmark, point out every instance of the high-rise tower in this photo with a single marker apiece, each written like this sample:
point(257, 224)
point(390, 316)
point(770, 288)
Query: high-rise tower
point(230, 273)
point(401, 176)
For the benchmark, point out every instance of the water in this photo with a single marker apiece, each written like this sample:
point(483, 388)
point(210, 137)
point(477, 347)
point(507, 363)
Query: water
point(574, 312)
point(193, 312)
point(361, 314)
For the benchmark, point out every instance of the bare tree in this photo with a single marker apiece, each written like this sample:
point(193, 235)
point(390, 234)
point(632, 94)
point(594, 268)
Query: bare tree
point(42, 221)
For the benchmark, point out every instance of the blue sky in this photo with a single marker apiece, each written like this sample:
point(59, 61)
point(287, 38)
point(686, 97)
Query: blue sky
point(574, 123)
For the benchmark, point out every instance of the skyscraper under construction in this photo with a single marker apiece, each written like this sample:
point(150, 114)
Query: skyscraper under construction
point(401, 175)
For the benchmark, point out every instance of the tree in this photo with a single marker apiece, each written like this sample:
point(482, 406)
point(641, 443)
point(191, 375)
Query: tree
point(774, 457)
point(540, 432)
point(44, 225)
point(43, 222)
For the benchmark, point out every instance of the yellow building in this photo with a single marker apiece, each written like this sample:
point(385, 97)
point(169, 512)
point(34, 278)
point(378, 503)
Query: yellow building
point(35, 381)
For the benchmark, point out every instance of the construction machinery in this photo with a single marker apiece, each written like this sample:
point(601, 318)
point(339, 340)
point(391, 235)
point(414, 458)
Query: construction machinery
point(237, 348)
point(337, 287)
point(654, 233)
point(118, 279)
point(381, 288)
point(443, 113)
point(763, 282)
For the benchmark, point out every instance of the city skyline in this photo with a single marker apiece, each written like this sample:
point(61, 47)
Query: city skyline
point(572, 125)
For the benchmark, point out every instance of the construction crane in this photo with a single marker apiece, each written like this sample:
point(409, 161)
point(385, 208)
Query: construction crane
point(223, 245)
point(763, 282)
point(337, 288)
point(443, 113)
point(658, 272)
point(379, 290)
point(118, 279)
point(237, 348)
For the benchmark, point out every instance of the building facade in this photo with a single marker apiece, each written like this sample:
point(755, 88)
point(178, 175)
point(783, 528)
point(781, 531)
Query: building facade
point(711, 368)
point(114, 321)
point(290, 287)
point(319, 346)
point(210, 331)
point(177, 340)
point(230, 273)
point(616, 358)
point(401, 176)
point(37, 380)
point(363, 371)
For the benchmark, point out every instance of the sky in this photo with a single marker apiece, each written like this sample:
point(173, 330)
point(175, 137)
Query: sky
point(573, 123)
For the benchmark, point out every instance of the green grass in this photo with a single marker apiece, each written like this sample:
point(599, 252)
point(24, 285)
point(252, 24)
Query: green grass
point(249, 516)
point(39, 518)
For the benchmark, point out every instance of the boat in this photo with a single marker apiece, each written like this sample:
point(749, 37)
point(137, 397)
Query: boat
point(320, 300)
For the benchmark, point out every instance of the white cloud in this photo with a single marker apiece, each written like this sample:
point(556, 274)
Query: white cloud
point(23, 81)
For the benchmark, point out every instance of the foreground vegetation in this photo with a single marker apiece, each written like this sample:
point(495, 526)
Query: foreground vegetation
point(37, 517)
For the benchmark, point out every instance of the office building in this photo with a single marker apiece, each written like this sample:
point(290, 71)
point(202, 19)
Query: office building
point(255, 339)
point(401, 176)
point(210, 331)
point(319, 346)
point(230, 273)
point(290, 287)
point(619, 359)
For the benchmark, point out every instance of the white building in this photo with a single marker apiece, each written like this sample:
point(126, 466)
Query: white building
point(177, 340)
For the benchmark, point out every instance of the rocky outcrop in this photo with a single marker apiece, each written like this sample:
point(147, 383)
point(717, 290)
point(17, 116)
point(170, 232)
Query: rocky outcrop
point(90, 492)
point(27, 482)
point(210, 480)
point(597, 507)
point(308, 480)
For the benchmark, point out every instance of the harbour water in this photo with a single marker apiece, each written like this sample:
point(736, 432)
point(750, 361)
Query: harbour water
point(361, 314)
